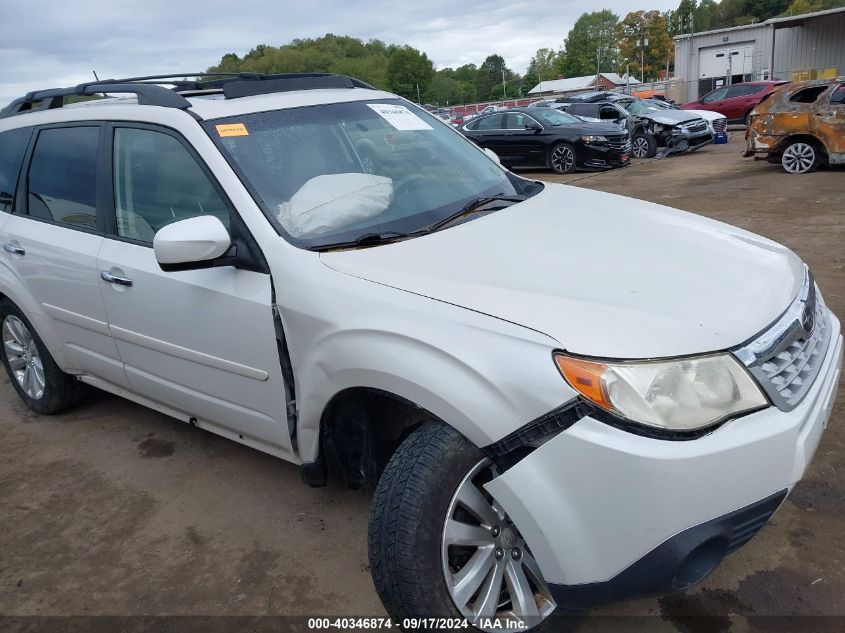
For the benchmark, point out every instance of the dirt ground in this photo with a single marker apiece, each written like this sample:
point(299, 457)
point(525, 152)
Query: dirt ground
point(113, 509)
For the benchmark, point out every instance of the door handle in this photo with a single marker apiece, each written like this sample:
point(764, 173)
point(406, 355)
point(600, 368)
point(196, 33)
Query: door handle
point(115, 279)
point(14, 249)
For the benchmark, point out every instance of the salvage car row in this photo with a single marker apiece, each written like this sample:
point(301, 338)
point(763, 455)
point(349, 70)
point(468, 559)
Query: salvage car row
point(798, 125)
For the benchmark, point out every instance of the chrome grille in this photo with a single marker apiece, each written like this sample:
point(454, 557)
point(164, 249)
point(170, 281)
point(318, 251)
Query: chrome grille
point(720, 125)
point(786, 358)
point(620, 143)
point(696, 126)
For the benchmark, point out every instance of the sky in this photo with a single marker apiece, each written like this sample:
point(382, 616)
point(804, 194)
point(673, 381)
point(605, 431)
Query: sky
point(57, 43)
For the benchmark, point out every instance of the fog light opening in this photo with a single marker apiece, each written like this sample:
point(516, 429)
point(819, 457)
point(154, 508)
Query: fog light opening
point(699, 563)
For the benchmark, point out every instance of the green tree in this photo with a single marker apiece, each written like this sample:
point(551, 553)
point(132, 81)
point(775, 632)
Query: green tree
point(764, 9)
point(490, 74)
point(707, 16)
point(635, 30)
point(591, 45)
point(330, 53)
point(409, 72)
point(685, 17)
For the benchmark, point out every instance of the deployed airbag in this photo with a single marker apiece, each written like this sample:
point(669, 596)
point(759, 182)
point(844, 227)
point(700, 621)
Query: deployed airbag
point(332, 201)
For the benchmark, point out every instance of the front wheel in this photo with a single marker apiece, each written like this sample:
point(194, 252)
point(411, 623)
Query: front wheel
point(562, 158)
point(643, 146)
point(441, 546)
point(799, 157)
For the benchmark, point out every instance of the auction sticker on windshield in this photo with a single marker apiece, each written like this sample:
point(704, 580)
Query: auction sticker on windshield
point(399, 117)
point(232, 129)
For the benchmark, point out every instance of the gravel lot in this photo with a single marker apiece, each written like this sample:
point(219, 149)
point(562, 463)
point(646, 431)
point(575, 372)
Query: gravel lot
point(113, 509)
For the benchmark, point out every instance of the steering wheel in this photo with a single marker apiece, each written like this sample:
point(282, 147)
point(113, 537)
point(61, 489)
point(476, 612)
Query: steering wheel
point(408, 184)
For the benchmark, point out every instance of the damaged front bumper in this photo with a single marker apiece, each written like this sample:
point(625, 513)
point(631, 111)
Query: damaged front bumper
point(611, 515)
point(677, 141)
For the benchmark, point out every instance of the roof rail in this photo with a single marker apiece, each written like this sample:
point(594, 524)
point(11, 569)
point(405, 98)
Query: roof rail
point(148, 94)
point(150, 91)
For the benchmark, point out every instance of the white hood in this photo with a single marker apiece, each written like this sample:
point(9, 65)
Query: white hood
point(707, 115)
point(604, 275)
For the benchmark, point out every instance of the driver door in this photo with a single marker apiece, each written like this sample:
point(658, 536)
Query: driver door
point(202, 342)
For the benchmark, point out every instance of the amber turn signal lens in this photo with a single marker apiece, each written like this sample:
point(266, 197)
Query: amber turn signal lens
point(585, 377)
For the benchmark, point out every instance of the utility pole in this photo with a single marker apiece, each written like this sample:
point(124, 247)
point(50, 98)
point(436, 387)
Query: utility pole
point(642, 43)
point(419, 101)
point(504, 88)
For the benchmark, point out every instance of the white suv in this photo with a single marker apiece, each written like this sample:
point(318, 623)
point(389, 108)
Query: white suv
point(561, 397)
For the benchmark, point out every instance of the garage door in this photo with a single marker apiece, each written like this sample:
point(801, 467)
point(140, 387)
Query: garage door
point(736, 59)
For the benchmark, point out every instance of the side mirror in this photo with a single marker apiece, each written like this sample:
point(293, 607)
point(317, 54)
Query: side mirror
point(533, 126)
point(493, 156)
point(191, 244)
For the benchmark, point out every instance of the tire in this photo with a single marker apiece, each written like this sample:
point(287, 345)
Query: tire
point(409, 547)
point(799, 157)
point(643, 146)
point(562, 158)
point(32, 371)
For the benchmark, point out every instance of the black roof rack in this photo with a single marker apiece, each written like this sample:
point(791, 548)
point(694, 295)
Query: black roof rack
point(150, 91)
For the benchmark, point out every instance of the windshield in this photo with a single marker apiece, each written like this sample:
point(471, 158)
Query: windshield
point(661, 105)
point(555, 117)
point(332, 174)
point(640, 107)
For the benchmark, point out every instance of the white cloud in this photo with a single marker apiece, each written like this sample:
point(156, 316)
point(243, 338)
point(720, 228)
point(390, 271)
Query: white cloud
point(47, 44)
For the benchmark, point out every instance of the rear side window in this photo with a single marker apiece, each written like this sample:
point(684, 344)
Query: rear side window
point(584, 109)
point(63, 176)
point(808, 95)
point(838, 95)
point(158, 182)
point(12, 149)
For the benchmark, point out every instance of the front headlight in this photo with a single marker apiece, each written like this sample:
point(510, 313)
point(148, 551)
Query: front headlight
point(594, 139)
point(677, 395)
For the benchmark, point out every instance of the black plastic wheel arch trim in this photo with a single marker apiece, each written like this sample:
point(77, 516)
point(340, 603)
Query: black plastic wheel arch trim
point(513, 447)
point(554, 421)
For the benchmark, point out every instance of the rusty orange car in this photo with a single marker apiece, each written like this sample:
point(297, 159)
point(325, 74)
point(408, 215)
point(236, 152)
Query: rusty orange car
point(800, 126)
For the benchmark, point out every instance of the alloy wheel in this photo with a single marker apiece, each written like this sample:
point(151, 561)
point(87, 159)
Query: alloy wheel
point(23, 357)
point(563, 158)
point(490, 573)
point(798, 158)
point(640, 147)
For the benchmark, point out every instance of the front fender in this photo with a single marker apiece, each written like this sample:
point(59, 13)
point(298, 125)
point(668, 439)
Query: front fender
point(483, 376)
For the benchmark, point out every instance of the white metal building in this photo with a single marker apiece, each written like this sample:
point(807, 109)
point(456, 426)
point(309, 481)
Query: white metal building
point(808, 46)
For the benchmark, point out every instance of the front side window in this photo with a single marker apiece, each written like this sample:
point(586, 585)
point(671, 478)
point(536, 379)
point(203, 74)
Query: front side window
point(492, 122)
point(332, 174)
point(12, 149)
point(62, 181)
point(158, 182)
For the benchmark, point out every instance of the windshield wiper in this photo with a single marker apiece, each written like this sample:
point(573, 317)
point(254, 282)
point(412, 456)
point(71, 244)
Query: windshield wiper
point(366, 239)
point(470, 207)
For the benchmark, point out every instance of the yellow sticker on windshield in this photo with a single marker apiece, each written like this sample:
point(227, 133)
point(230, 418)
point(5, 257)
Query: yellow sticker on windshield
point(232, 129)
